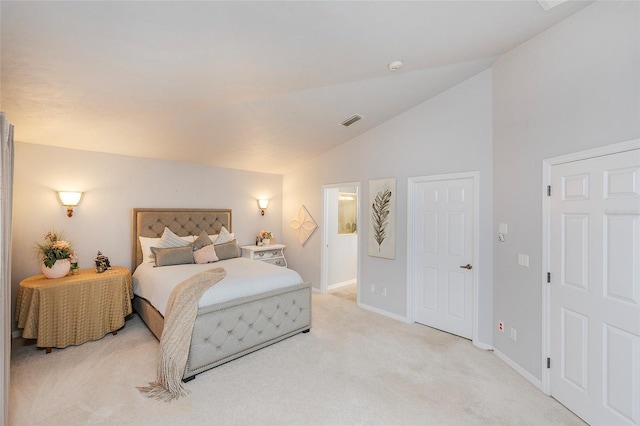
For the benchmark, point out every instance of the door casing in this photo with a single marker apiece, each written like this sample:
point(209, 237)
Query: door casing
point(411, 241)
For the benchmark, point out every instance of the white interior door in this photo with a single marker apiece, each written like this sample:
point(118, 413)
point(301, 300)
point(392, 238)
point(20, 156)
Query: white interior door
point(443, 220)
point(595, 287)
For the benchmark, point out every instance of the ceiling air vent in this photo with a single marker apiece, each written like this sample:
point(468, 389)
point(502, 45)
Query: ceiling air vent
point(548, 4)
point(349, 121)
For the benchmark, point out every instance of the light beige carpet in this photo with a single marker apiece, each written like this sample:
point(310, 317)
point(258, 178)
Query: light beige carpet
point(347, 292)
point(354, 367)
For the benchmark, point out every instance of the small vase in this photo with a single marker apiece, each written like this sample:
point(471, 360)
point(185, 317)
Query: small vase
point(58, 270)
point(266, 241)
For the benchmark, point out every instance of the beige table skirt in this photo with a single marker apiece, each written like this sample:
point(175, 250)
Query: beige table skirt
point(73, 309)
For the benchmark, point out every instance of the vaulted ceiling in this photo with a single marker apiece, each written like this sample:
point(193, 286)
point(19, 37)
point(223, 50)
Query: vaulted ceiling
point(257, 85)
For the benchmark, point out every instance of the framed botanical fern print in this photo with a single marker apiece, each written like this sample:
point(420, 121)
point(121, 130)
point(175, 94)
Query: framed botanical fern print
point(382, 218)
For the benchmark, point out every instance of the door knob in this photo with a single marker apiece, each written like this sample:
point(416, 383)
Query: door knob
point(467, 266)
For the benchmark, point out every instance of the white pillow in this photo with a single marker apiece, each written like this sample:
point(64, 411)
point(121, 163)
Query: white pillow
point(214, 237)
point(146, 243)
point(223, 237)
point(171, 240)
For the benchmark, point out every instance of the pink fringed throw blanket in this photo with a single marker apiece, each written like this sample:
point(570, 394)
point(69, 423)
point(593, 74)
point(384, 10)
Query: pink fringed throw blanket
point(182, 308)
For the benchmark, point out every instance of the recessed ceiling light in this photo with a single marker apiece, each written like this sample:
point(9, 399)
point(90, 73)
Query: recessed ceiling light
point(395, 65)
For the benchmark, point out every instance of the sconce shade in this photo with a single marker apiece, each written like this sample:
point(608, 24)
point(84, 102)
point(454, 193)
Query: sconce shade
point(69, 199)
point(263, 203)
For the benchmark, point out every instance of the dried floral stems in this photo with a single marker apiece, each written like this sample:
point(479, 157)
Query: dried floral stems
point(380, 215)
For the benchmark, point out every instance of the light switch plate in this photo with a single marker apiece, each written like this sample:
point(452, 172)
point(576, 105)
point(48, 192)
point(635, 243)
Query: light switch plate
point(523, 260)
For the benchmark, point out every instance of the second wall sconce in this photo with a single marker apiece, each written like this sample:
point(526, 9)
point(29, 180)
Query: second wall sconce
point(69, 199)
point(263, 203)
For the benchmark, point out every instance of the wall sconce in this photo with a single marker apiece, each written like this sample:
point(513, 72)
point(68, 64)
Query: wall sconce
point(263, 203)
point(69, 199)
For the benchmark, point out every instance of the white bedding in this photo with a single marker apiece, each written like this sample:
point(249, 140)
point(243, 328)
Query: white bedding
point(245, 277)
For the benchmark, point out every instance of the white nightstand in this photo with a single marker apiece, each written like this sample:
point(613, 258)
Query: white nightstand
point(273, 254)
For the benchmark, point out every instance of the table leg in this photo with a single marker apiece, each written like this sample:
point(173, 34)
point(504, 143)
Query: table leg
point(48, 349)
point(114, 332)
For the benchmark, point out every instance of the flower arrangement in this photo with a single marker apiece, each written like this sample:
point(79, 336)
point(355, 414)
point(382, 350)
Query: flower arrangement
point(265, 235)
point(54, 248)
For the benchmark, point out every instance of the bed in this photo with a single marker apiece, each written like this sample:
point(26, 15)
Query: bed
point(254, 306)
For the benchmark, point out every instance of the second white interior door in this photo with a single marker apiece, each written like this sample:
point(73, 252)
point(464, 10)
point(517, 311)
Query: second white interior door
point(443, 219)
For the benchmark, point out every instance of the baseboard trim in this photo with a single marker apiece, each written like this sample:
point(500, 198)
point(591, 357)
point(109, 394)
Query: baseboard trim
point(483, 346)
point(384, 313)
point(524, 373)
point(342, 284)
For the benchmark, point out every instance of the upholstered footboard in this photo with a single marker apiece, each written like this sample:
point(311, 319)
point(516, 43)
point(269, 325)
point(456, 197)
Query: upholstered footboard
point(229, 330)
point(232, 329)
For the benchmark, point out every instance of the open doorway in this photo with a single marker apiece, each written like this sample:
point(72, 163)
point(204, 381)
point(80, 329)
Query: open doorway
point(340, 240)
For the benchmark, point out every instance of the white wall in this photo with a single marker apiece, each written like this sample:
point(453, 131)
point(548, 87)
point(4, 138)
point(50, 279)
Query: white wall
point(342, 256)
point(449, 133)
point(574, 87)
point(113, 186)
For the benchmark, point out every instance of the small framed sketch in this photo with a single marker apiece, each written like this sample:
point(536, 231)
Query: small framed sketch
point(382, 218)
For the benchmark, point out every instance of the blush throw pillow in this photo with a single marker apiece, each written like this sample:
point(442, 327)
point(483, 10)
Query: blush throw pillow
point(206, 254)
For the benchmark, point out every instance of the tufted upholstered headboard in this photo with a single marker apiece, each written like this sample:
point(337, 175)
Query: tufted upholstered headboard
point(184, 222)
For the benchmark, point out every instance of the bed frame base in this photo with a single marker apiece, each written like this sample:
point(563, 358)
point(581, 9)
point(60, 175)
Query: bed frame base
point(289, 308)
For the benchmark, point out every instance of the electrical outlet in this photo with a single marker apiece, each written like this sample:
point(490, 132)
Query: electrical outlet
point(384, 291)
point(501, 327)
point(373, 288)
point(514, 334)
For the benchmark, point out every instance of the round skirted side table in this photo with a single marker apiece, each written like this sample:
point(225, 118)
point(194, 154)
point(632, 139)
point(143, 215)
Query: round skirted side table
point(74, 309)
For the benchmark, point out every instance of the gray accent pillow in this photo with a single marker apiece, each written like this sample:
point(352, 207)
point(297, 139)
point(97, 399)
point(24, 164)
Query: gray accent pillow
point(173, 256)
point(202, 241)
point(227, 250)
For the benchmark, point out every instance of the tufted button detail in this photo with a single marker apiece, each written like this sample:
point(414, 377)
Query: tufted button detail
point(240, 328)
